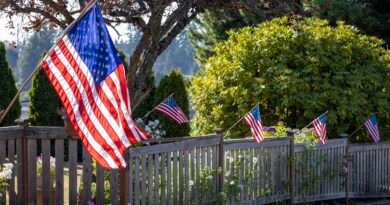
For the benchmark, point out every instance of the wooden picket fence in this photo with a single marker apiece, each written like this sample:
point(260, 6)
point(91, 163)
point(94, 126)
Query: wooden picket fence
point(193, 170)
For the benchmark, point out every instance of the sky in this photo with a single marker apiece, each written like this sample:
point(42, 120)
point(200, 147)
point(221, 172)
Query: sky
point(7, 34)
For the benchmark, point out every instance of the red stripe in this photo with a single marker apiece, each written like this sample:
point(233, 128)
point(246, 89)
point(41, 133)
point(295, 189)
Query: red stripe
point(129, 133)
point(170, 112)
point(255, 126)
point(69, 110)
point(372, 130)
point(88, 90)
point(83, 112)
point(120, 72)
point(122, 119)
point(181, 113)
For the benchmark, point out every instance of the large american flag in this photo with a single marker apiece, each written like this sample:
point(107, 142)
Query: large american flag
point(170, 108)
point(88, 75)
point(252, 118)
point(319, 125)
point(372, 127)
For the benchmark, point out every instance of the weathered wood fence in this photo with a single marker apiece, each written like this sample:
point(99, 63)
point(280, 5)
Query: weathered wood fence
point(193, 170)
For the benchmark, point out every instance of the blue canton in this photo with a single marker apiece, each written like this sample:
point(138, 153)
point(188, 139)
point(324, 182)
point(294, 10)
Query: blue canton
point(256, 112)
point(93, 44)
point(322, 118)
point(170, 102)
point(373, 120)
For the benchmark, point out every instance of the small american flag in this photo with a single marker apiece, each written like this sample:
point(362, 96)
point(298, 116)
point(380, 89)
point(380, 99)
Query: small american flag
point(170, 108)
point(252, 118)
point(372, 127)
point(319, 125)
point(87, 73)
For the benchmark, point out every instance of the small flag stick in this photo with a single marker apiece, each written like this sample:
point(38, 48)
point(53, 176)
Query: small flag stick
point(147, 114)
point(300, 130)
point(354, 132)
point(227, 132)
point(5, 112)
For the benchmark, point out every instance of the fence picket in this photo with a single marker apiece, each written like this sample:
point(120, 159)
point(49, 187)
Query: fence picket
point(87, 177)
point(32, 176)
point(72, 171)
point(59, 151)
point(99, 185)
point(11, 159)
point(161, 174)
point(46, 181)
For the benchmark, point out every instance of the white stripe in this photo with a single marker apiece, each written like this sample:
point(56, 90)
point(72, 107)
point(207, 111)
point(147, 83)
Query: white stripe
point(168, 111)
point(75, 108)
point(123, 107)
point(117, 128)
point(96, 122)
point(372, 130)
point(255, 126)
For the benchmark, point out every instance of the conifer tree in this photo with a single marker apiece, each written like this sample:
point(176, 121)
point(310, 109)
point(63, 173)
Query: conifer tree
point(44, 102)
point(173, 83)
point(7, 89)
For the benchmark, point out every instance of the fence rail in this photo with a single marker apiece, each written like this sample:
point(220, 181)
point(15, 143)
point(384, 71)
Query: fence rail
point(191, 170)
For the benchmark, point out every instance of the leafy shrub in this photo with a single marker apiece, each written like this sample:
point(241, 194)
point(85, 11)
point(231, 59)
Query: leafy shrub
point(295, 69)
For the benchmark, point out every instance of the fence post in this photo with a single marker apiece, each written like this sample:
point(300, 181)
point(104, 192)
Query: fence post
point(124, 182)
point(23, 197)
point(292, 166)
point(346, 184)
point(220, 166)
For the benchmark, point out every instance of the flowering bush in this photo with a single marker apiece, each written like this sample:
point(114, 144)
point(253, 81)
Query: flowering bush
point(52, 165)
point(5, 175)
point(152, 127)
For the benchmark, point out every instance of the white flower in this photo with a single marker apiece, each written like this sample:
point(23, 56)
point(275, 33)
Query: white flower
point(239, 156)
point(139, 121)
point(190, 183)
point(209, 177)
point(147, 129)
point(157, 121)
point(232, 182)
point(254, 160)
point(227, 173)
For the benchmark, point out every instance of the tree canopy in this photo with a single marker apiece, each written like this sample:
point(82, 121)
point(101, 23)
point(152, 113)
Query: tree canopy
point(159, 21)
point(8, 90)
point(370, 16)
point(44, 102)
point(174, 82)
point(295, 69)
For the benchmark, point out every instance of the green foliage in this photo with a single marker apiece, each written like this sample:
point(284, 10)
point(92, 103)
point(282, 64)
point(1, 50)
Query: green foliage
point(211, 27)
point(371, 16)
point(172, 83)
point(8, 90)
point(296, 70)
point(44, 102)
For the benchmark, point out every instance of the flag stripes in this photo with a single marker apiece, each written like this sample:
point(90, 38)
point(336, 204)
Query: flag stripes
point(256, 128)
point(170, 108)
point(372, 128)
point(100, 113)
point(319, 125)
point(253, 120)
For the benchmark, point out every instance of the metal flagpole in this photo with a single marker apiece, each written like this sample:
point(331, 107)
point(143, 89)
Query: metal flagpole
point(227, 132)
point(300, 130)
point(354, 132)
point(5, 112)
point(147, 114)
